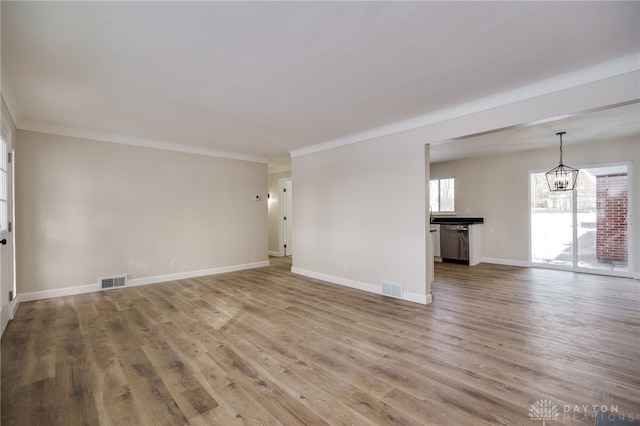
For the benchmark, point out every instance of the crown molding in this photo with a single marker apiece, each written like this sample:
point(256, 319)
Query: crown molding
point(36, 126)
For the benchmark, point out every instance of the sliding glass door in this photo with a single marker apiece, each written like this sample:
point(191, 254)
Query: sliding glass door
point(584, 229)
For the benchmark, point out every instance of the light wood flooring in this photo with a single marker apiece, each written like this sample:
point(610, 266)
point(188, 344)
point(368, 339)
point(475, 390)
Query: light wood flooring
point(267, 347)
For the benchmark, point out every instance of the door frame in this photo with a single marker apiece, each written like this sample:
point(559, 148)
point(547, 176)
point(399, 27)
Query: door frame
point(7, 276)
point(631, 241)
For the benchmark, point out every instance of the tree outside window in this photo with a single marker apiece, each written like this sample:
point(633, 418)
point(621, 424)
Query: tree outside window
point(442, 195)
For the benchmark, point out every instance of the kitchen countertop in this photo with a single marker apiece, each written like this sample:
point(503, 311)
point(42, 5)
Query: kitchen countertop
point(456, 220)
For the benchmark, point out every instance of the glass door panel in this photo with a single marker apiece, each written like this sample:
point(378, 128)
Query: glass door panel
point(602, 209)
point(551, 224)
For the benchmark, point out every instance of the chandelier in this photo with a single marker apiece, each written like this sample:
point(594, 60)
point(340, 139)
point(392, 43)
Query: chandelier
point(561, 178)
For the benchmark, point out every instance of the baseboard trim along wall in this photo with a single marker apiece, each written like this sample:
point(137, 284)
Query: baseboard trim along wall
point(70, 291)
point(358, 285)
point(507, 262)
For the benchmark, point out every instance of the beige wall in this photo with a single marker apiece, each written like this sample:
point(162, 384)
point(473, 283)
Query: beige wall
point(497, 188)
point(360, 214)
point(87, 209)
point(274, 211)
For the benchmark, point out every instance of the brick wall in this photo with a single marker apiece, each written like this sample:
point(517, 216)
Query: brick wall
point(611, 227)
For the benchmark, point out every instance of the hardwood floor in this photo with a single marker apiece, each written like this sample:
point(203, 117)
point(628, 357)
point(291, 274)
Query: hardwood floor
point(268, 347)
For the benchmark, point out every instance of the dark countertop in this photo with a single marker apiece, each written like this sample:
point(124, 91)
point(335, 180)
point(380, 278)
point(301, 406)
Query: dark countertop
point(456, 220)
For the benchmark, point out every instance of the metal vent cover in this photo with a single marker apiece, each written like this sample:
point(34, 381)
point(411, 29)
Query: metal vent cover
point(113, 282)
point(392, 289)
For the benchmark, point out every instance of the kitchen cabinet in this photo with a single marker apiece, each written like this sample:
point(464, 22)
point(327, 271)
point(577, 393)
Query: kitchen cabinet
point(433, 248)
point(475, 244)
point(435, 238)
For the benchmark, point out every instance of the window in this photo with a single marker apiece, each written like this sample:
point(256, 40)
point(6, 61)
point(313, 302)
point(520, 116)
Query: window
point(442, 195)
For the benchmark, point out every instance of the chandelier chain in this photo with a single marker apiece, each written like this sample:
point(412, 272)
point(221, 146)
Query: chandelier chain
point(560, 134)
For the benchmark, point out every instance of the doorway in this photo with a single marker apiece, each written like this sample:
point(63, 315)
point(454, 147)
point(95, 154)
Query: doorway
point(285, 188)
point(585, 229)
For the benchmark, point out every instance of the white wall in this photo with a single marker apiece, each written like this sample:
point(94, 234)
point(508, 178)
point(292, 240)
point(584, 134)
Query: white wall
point(363, 205)
point(497, 188)
point(360, 214)
point(87, 209)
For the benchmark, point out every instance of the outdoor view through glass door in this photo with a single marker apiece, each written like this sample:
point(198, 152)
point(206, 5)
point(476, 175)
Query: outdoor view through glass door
point(585, 228)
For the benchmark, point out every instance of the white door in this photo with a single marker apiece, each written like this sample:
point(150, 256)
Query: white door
point(7, 291)
point(287, 217)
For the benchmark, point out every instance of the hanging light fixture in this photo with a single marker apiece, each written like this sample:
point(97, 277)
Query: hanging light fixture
point(562, 178)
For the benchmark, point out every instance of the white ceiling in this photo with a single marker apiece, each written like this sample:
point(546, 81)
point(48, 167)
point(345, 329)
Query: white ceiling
point(257, 80)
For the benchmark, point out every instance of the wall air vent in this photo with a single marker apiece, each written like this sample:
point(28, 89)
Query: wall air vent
point(392, 289)
point(113, 282)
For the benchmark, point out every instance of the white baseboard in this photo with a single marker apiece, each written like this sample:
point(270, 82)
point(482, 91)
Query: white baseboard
point(524, 264)
point(70, 291)
point(507, 262)
point(358, 285)
point(58, 292)
point(193, 274)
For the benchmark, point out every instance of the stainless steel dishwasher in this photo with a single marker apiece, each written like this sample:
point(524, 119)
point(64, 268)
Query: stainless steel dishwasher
point(454, 243)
